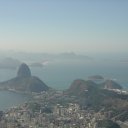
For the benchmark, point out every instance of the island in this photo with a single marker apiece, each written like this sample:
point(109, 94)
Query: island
point(96, 77)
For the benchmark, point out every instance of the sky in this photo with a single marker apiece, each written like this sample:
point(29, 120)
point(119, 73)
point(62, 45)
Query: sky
point(56, 26)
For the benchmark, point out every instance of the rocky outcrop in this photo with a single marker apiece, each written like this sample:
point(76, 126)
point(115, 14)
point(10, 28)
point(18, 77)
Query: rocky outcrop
point(24, 71)
point(24, 82)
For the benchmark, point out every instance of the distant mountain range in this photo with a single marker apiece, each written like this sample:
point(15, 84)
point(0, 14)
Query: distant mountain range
point(30, 56)
point(14, 59)
point(9, 63)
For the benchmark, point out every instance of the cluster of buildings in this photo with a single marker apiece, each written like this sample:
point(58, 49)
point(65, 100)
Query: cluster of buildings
point(40, 114)
point(61, 117)
point(68, 116)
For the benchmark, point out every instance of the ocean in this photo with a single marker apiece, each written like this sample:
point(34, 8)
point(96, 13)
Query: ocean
point(10, 99)
point(60, 75)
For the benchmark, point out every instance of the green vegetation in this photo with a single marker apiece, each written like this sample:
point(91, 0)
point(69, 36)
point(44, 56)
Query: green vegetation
point(107, 124)
point(94, 96)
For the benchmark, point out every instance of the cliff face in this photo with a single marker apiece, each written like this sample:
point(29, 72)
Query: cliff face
point(23, 71)
point(110, 84)
point(25, 82)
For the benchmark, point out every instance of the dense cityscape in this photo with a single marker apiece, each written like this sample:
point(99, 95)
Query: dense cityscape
point(44, 111)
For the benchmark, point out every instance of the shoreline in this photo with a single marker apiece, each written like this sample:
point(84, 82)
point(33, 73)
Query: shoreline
point(12, 99)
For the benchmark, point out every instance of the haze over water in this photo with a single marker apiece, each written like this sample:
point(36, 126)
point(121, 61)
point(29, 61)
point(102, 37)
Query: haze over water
point(94, 28)
point(60, 72)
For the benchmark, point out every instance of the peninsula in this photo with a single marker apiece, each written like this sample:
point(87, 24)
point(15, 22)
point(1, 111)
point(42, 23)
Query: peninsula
point(24, 82)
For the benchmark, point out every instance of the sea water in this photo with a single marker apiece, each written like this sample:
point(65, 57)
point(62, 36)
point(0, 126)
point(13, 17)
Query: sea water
point(10, 99)
point(60, 75)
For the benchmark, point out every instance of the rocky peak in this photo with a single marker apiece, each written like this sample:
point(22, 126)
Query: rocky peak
point(24, 71)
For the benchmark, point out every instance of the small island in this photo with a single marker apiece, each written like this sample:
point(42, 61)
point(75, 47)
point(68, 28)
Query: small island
point(96, 77)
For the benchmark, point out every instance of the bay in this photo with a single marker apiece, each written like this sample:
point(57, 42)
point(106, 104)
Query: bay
point(60, 75)
point(11, 99)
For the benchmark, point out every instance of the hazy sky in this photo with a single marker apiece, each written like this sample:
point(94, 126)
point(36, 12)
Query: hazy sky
point(64, 25)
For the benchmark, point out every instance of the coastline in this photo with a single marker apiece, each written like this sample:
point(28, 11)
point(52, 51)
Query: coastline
point(10, 99)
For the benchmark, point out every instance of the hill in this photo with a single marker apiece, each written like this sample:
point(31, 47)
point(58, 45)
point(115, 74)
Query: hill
point(79, 86)
point(90, 94)
point(24, 82)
